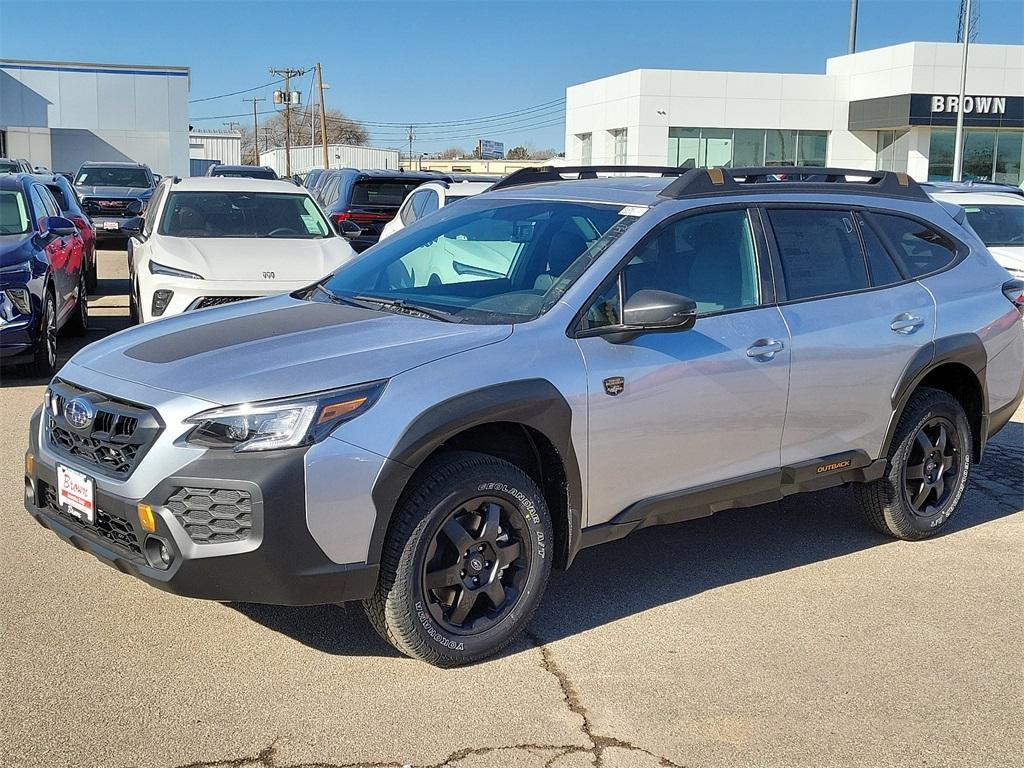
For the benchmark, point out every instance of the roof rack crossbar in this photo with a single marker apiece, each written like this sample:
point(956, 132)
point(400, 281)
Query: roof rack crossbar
point(538, 174)
point(804, 178)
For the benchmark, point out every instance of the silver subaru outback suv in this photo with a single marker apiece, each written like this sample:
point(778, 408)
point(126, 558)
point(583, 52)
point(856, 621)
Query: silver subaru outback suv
point(545, 367)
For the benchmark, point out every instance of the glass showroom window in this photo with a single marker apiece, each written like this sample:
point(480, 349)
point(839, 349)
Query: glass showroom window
point(618, 146)
point(891, 149)
point(586, 147)
point(989, 155)
point(740, 147)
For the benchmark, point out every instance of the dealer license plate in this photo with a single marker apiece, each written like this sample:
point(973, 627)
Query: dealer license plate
point(76, 494)
point(111, 225)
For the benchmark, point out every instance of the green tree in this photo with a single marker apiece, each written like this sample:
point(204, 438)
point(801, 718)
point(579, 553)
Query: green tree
point(517, 153)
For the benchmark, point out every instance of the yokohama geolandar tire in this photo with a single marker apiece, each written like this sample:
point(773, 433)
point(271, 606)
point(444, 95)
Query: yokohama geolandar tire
point(466, 560)
point(929, 463)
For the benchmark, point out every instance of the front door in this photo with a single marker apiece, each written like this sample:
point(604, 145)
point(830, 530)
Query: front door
point(673, 411)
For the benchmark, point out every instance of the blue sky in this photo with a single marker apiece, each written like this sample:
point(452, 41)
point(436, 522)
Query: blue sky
point(434, 61)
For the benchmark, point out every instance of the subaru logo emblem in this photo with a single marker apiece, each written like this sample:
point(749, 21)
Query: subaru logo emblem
point(79, 413)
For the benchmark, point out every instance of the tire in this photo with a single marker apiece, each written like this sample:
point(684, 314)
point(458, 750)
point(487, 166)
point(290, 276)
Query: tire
point(901, 504)
point(91, 277)
point(78, 323)
point(454, 498)
point(133, 304)
point(44, 361)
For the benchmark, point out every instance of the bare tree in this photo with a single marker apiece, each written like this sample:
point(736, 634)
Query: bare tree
point(453, 153)
point(340, 130)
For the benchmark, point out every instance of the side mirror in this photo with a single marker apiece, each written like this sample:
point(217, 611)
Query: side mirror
point(651, 311)
point(136, 207)
point(133, 226)
point(348, 229)
point(58, 226)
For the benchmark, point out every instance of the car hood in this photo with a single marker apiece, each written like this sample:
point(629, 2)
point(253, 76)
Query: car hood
point(14, 249)
point(277, 347)
point(1009, 257)
point(87, 190)
point(247, 259)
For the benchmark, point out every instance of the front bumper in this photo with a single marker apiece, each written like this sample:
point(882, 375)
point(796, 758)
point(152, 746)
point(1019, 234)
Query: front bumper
point(278, 562)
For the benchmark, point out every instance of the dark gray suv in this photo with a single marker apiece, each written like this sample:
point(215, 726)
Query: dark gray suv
point(546, 366)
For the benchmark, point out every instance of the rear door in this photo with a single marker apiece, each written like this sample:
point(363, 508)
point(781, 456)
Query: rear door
point(59, 251)
point(856, 320)
point(670, 412)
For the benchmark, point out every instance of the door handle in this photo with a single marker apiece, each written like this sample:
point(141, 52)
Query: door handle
point(906, 323)
point(764, 349)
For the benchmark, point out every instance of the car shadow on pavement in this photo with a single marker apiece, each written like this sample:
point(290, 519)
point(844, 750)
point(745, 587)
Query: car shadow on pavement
point(654, 567)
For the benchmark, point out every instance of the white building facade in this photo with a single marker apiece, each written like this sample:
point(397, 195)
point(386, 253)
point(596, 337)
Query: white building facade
point(305, 158)
point(61, 114)
point(891, 108)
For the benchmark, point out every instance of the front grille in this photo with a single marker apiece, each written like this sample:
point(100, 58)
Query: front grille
point(216, 301)
point(111, 527)
point(108, 207)
point(212, 515)
point(115, 441)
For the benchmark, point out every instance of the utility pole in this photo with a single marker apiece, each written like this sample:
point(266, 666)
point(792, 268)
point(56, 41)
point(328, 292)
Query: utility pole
point(412, 135)
point(852, 48)
point(958, 145)
point(255, 132)
point(288, 74)
point(323, 114)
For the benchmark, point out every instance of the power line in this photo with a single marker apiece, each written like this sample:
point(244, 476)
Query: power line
point(487, 118)
point(236, 93)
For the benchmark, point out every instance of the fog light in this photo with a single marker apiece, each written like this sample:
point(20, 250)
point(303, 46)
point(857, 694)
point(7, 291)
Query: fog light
point(146, 519)
point(158, 554)
point(20, 299)
point(161, 299)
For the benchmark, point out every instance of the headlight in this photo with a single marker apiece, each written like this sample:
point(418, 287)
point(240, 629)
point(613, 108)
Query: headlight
point(273, 424)
point(160, 269)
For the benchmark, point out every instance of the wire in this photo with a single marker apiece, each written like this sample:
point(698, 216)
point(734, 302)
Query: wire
point(487, 118)
point(236, 93)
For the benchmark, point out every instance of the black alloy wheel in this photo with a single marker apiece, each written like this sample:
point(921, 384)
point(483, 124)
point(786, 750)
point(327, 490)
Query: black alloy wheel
point(931, 472)
point(476, 566)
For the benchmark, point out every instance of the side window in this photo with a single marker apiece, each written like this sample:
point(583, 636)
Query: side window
point(38, 206)
point(44, 203)
point(921, 249)
point(820, 252)
point(880, 263)
point(709, 258)
point(409, 209)
point(152, 208)
point(58, 196)
point(330, 191)
point(428, 203)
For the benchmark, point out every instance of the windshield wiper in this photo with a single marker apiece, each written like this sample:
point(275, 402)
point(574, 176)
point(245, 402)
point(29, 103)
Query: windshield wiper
point(401, 305)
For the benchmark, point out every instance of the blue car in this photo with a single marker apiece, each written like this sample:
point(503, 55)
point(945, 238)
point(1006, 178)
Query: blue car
point(42, 275)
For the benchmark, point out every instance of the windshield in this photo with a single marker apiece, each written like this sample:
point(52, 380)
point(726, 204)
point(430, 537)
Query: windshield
point(482, 261)
point(243, 214)
point(113, 177)
point(14, 218)
point(997, 225)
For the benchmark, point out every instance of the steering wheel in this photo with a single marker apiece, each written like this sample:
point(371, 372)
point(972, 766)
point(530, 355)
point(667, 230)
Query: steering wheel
point(282, 231)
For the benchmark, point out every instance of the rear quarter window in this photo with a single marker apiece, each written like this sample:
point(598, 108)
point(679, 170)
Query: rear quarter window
point(920, 249)
point(390, 192)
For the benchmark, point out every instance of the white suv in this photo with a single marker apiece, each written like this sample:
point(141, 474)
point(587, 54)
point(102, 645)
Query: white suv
point(429, 197)
point(998, 220)
point(210, 241)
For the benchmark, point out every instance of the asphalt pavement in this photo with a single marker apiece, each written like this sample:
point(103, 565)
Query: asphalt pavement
point(790, 634)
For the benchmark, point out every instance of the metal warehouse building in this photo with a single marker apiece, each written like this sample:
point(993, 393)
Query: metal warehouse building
point(60, 114)
point(305, 158)
point(891, 108)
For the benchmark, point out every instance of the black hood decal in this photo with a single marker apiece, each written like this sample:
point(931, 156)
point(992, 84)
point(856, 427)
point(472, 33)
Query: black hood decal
point(210, 337)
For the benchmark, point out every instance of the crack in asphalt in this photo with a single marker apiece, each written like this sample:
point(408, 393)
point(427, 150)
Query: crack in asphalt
point(267, 757)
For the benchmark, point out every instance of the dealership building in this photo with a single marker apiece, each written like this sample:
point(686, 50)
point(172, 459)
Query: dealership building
point(60, 114)
point(890, 108)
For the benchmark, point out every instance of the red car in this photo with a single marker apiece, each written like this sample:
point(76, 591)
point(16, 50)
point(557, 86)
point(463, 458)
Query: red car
point(64, 193)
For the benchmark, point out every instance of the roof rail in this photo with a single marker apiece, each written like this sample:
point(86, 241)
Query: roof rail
point(538, 174)
point(803, 178)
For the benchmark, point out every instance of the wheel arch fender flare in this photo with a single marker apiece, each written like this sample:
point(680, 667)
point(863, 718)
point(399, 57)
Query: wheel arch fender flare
point(964, 349)
point(534, 403)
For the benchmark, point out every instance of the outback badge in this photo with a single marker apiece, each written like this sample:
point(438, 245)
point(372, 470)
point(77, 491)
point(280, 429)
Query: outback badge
point(614, 385)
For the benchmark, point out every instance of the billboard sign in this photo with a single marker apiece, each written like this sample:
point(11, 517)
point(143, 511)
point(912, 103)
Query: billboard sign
point(490, 150)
